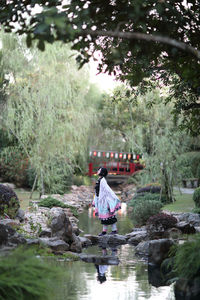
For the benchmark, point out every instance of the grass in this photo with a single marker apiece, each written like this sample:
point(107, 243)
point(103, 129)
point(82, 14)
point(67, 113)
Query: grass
point(24, 199)
point(183, 203)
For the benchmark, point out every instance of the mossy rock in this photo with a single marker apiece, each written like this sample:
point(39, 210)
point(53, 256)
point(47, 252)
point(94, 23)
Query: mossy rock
point(9, 202)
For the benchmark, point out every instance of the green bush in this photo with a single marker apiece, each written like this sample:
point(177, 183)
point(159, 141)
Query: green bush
point(23, 276)
point(196, 197)
point(144, 209)
point(13, 165)
point(196, 210)
point(189, 164)
point(146, 197)
point(52, 202)
point(187, 259)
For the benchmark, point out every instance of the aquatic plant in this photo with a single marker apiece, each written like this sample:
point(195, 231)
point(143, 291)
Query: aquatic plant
point(24, 276)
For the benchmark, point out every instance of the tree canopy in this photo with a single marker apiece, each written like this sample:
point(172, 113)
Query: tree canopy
point(46, 109)
point(137, 39)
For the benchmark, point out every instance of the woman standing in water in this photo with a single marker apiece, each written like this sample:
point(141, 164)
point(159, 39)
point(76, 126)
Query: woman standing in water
point(106, 203)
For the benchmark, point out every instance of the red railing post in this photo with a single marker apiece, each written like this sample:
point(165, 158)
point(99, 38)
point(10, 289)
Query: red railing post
point(90, 169)
point(132, 168)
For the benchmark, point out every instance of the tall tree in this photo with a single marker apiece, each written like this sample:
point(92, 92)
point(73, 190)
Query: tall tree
point(47, 109)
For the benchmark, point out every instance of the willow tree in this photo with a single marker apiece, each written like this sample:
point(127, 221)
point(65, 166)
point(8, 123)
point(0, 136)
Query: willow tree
point(146, 126)
point(48, 112)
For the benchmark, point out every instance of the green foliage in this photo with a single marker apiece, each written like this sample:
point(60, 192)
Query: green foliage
point(189, 165)
point(144, 209)
point(196, 197)
point(48, 110)
point(187, 258)
point(9, 203)
point(196, 210)
point(132, 59)
point(13, 165)
point(23, 276)
point(52, 202)
point(146, 197)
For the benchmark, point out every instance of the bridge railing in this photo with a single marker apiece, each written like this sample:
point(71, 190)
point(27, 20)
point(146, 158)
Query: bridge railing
point(115, 168)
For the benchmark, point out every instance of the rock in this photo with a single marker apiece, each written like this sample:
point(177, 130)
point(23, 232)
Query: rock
point(185, 227)
point(45, 233)
point(142, 248)
point(54, 244)
point(93, 238)
point(197, 229)
point(10, 222)
point(8, 236)
point(100, 260)
point(187, 289)
point(136, 232)
point(9, 185)
point(174, 233)
point(20, 215)
point(109, 239)
point(76, 245)
point(158, 250)
point(137, 238)
point(85, 242)
point(60, 224)
point(155, 276)
point(191, 218)
point(32, 241)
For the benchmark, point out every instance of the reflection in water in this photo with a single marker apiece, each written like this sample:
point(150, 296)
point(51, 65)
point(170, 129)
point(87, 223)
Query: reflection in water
point(102, 269)
point(126, 281)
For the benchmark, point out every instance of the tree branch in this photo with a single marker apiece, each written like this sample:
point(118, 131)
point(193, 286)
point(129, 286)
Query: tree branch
point(192, 105)
point(145, 37)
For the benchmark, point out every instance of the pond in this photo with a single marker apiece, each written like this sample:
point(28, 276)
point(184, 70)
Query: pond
point(127, 280)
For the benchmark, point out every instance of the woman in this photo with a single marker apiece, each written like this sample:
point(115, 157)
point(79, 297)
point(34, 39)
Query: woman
point(105, 202)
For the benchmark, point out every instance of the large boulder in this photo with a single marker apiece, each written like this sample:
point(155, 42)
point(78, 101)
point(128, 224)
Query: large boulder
point(9, 202)
point(191, 218)
point(60, 224)
point(142, 249)
point(61, 228)
point(159, 250)
point(9, 236)
point(55, 244)
point(187, 289)
point(186, 227)
point(137, 238)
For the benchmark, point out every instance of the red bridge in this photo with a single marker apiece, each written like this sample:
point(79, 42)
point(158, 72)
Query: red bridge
point(117, 163)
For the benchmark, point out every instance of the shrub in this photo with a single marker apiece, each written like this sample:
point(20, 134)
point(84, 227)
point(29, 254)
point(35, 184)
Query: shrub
point(144, 209)
point(189, 163)
point(187, 259)
point(23, 276)
point(196, 210)
point(52, 202)
point(9, 202)
point(196, 197)
point(162, 219)
point(146, 197)
point(78, 180)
